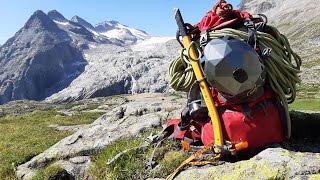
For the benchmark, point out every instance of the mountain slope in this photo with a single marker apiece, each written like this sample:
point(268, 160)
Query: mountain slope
point(38, 59)
point(300, 22)
point(51, 54)
point(121, 70)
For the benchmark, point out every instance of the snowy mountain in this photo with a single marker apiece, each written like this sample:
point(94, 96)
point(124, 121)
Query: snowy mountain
point(114, 29)
point(61, 60)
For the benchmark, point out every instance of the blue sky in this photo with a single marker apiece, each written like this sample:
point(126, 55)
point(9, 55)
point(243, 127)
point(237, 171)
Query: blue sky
point(154, 17)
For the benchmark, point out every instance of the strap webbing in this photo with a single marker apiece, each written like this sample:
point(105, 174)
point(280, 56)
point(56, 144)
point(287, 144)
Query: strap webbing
point(197, 154)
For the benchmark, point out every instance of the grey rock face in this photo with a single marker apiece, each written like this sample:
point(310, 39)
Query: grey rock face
point(82, 22)
point(78, 33)
point(121, 70)
point(142, 112)
point(272, 163)
point(265, 6)
point(55, 15)
point(38, 61)
point(75, 168)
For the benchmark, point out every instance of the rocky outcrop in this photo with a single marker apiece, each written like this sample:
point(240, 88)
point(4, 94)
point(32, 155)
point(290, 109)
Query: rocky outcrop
point(75, 168)
point(142, 112)
point(272, 163)
point(298, 158)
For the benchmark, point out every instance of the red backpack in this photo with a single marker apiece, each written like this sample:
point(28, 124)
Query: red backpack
point(257, 122)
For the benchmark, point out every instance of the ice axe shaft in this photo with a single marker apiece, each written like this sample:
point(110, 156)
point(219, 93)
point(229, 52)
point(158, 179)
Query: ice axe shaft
point(218, 137)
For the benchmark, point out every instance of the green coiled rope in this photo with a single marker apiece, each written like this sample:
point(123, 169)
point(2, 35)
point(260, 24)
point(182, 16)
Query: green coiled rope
point(282, 64)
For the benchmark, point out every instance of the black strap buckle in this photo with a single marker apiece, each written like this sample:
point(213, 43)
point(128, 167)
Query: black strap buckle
point(252, 37)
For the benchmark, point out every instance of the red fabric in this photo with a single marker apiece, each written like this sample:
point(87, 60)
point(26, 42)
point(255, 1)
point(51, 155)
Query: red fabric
point(221, 103)
point(193, 131)
point(212, 19)
point(260, 130)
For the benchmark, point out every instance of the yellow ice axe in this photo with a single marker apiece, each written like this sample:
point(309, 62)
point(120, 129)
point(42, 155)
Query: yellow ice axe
point(218, 137)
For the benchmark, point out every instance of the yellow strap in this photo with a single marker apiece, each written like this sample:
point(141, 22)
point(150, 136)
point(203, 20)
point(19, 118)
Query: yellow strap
point(201, 163)
point(188, 161)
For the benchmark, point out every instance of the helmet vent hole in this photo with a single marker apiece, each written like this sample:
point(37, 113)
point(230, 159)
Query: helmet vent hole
point(240, 75)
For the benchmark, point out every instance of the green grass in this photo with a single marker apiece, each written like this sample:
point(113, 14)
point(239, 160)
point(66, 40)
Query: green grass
point(305, 104)
point(24, 136)
point(47, 172)
point(308, 91)
point(131, 165)
point(309, 64)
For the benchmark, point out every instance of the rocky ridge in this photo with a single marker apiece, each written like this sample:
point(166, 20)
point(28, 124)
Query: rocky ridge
point(39, 58)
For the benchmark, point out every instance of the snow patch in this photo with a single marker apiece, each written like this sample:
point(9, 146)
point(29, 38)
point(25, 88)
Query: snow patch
point(92, 31)
point(62, 23)
point(115, 33)
point(150, 43)
point(113, 29)
point(91, 46)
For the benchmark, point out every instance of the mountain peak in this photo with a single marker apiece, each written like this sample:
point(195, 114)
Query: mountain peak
point(75, 18)
point(82, 22)
point(112, 22)
point(56, 16)
point(39, 13)
point(39, 18)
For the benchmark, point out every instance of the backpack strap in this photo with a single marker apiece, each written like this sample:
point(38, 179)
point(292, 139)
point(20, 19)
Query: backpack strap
point(252, 37)
point(246, 111)
point(198, 110)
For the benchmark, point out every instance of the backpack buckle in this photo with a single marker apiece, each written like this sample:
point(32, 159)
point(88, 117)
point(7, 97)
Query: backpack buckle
point(246, 111)
point(247, 116)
